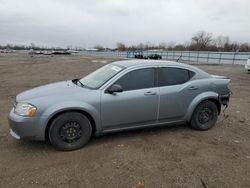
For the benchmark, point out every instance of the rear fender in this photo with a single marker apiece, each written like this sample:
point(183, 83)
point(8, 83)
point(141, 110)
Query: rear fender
point(197, 100)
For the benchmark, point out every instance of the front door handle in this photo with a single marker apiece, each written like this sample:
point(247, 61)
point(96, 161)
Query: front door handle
point(150, 93)
point(193, 88)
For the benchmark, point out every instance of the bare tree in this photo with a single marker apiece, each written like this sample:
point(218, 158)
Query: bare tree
point(171, 45)
point(149, 45)
point(99, 47)
point(32, 45)
point(69, 47)
point(180, 47)
point(121, 46)
point(244, 47)
point(201, 40)
point(163, 45)
point(221, 41)
point(141, 46)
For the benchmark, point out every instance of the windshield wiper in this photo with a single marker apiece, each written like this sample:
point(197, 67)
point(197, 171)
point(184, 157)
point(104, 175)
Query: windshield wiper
point(79, 83)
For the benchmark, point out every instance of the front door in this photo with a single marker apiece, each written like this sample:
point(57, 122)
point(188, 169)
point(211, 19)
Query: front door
point(136, 105)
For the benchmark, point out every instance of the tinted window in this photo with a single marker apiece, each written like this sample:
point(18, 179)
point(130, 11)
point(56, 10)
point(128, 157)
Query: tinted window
point(173, 76)
point(137, 79)
point(191, 74)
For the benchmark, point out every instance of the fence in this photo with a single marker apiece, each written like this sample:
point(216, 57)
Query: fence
point(191, 56)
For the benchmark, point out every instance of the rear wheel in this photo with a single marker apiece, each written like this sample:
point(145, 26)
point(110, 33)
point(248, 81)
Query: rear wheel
point(70, 131)
point(205, 116)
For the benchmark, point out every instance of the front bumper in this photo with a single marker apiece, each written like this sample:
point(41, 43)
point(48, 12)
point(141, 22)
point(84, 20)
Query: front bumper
point(13, 134)
point(25, 127)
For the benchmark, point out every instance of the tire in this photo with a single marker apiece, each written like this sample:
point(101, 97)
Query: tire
point(70, 131)
point(204, 116)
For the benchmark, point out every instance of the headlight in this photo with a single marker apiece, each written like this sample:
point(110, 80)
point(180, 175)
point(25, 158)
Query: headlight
point(24, 109)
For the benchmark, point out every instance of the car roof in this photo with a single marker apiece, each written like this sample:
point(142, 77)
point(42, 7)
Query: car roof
point(143, 62)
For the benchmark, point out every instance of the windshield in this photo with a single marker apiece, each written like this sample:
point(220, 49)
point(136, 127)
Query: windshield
point(97, 78)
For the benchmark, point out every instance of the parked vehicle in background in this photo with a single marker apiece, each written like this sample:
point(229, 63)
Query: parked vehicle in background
point(154, 56)
point(6, 51)
point(247, 65)
point(151, 56)
point(139, 56)
point(123, 95)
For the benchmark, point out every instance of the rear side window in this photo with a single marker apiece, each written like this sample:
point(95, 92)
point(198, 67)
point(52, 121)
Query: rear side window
point(173, 76)
point(137, 79)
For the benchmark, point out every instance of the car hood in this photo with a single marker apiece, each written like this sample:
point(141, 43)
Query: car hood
point(55, 89)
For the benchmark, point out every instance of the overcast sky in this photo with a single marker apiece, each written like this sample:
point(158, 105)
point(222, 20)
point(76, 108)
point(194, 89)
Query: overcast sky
point(89, 22)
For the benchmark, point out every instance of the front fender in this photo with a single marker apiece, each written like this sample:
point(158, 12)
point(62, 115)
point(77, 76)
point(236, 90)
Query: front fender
point(69, 105)
point(198, 99)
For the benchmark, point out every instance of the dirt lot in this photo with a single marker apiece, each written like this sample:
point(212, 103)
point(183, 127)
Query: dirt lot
point(161, 157)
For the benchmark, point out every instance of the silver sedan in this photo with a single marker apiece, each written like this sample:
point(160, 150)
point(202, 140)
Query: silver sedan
point(123, 95)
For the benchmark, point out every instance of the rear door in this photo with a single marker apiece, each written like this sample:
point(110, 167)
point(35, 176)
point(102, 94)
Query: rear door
point(176, 92)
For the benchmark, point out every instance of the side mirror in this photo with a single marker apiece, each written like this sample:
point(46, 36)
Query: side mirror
point(114, 89)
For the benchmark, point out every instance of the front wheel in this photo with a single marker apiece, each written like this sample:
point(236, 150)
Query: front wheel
point(205, 116)
point(70, 131)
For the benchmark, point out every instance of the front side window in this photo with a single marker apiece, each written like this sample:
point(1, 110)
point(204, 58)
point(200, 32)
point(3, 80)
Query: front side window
point(137, 79)
point(173, 76)
point(97, 78)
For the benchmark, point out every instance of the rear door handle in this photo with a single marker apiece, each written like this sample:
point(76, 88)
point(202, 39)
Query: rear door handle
point(193, 88)
point(149, 93)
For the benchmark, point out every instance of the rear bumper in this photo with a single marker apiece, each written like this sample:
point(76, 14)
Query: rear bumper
point(224, 99)
point(247, 66)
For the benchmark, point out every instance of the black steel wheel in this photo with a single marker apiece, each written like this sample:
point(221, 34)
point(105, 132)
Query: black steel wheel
point(70, 131)
point(204, 116)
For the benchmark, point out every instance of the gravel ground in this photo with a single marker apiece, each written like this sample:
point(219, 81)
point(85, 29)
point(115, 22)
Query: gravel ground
point(159, 157)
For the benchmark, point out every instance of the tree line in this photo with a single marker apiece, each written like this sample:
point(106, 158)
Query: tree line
point(200, 41)
point(32, 46)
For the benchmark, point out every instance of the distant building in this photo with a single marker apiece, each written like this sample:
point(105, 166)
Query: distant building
point(92, 49)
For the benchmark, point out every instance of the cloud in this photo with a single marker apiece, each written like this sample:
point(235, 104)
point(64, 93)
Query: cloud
point(89, 22)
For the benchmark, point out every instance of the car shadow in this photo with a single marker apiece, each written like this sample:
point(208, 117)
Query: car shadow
point(33, 146)
point(142, 132)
